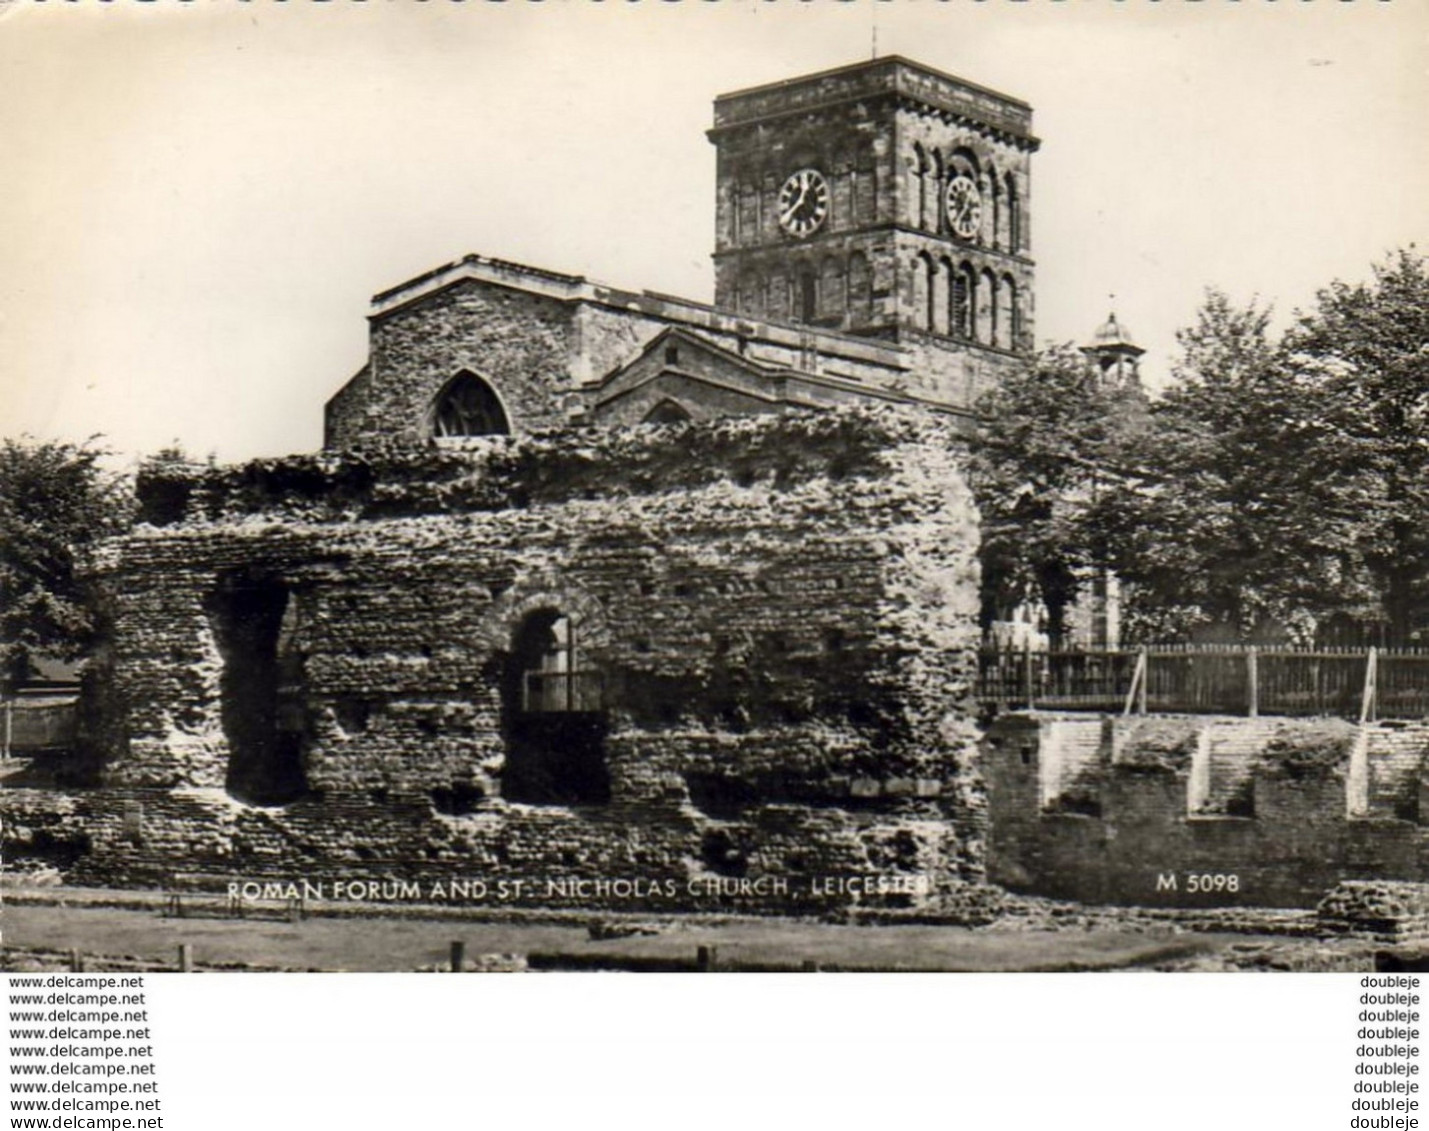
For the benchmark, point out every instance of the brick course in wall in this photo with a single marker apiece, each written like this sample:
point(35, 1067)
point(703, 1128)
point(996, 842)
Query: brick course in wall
point(781, 611)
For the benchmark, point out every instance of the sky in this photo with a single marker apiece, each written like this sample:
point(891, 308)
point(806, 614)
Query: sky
point(201, 198)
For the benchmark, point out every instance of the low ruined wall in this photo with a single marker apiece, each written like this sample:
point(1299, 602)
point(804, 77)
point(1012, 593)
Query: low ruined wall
point(779, 614)
point(1201, 811)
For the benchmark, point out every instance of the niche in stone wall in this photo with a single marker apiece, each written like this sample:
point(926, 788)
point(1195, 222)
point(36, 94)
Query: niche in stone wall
point(553, 718)
point(254, 621)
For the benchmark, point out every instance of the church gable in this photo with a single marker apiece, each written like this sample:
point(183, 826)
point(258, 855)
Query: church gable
point(680, 372)
point(343, 413)
point(517, 343)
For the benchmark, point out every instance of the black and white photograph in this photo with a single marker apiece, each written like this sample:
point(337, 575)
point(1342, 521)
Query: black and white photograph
point(715, 487)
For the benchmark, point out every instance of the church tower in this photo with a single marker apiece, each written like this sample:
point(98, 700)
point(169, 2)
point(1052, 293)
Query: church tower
point(883, 199)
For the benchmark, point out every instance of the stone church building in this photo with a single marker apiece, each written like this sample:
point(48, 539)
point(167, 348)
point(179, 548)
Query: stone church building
point(872, 246)
point(572, 596)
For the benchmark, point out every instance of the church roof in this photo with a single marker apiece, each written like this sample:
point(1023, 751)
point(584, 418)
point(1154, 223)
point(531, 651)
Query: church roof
point(678, 358)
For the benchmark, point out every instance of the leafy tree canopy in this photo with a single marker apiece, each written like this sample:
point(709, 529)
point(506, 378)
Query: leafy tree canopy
point(1050, 435)
point(56, 502)
point(1279, 481)
point(1365, 347)
point(1246, 503)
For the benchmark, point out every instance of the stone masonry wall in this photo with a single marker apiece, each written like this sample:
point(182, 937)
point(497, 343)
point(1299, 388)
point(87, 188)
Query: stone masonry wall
point(1165, 799)
point(782, 612)
point(517, 342)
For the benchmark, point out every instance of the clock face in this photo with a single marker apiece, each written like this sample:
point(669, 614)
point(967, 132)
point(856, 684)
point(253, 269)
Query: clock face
point(803, 202)
point(964, 207)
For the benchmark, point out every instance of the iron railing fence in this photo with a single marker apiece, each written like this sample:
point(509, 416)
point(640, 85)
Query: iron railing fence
point(1212, 679)
point(560, 692)
point(31, 724)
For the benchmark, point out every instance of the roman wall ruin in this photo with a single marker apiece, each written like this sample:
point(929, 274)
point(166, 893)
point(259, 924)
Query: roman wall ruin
point(735, 650)
point(1203, 810)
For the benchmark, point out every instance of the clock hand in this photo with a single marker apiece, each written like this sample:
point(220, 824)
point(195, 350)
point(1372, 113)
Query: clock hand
point(798, 208)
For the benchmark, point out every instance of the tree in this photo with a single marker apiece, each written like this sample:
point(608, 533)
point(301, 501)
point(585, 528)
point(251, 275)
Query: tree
point(1366, 346)
point(1240, 512)
point(56, 503)
point(1287, 481)
point(1051, 438)
point(1279, 481)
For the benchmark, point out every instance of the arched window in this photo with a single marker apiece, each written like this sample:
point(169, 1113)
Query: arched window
point(960, 315)
point(831, 288)
point(808, 294)
point(776, 305)
point(863, 203)
point(994, 186)
point(750, 297)
point(545, 647)
point(975, 303)
point(551, 714)
point(841, 190)
point(923, 271)
point(987, 308)
point(1014, 216)
point(950, 293)
point(747, 230)
point(917, 197)
point(468, 406)
point(995, 307)
point(964, 163)
point(1011, 320)
point(937, 298)
point(667, 412)
point(860, 295)
point(936, 184)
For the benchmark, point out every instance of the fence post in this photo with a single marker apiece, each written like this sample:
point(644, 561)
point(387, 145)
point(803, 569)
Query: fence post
point(1252, 671)
point(1138, 684)
point(1371, 691)
point(1027, 672)
point(1145, 678)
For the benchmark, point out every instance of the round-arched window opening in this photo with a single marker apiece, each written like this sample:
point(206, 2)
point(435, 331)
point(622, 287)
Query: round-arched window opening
point(808, 291)
point(553, 719)
point(468, 406)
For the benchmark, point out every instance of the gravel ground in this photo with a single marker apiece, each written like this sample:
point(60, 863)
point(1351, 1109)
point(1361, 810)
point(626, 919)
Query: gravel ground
point(43, 933)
